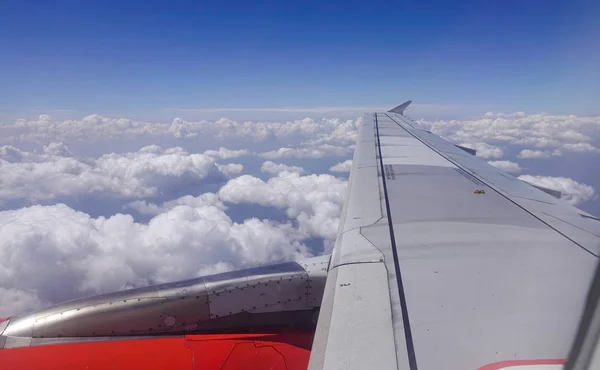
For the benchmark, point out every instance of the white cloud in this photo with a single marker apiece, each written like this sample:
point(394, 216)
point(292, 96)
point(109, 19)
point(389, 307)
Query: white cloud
point(572, 191)
point(33, 177)
point(277, 168)
point(541, 130)
point(96, 126)
point(508, 166)
point(527, 153)
point(53, 253)
point(315, 201)
point(203, 200)
point(224, 153)
point(345, 166)
point(580, 147)
point(485, 150)
point(325, 150)
point(343, 133)
point(230, 169)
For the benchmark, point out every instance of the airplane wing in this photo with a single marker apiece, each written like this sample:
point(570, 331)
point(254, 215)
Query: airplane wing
point(441, 262)
point(445, 262)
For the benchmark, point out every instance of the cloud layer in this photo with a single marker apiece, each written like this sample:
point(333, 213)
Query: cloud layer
point(171, 226)
point(541, 132)
point(333, 130)
point(53, 253)
point(56, 173)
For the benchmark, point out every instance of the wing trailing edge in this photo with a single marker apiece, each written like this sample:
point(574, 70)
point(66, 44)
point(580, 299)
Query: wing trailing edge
point(555, 193)
point(468, 150)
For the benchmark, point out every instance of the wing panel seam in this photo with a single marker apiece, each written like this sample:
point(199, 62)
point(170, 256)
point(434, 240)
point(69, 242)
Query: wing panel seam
point(410, 347)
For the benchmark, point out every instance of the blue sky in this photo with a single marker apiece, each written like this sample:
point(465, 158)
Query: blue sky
point(137, 59)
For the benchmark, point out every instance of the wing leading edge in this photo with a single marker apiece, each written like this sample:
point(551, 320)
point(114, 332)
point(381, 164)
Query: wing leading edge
point(459, 263)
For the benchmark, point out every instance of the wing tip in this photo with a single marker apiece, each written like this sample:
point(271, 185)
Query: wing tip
point(400, 108)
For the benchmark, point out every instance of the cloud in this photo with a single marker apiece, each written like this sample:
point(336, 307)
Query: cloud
point(542, 130)
point(527, 153)
point(95, 126)
point(508, 166)
point(202, 200)
point(53, 253)
point(344, 133)
point(580, 147)
point(314, 201)
point(230, 169)
point(322, 151)
point(56, 252)
point(345, 166)
point(13, 301)
point(224, 153)
point(485, 150)
point(572, 191)
point(56, 173)
point(277, 168)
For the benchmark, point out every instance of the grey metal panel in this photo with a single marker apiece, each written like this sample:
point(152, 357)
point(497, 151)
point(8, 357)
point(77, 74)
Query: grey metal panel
point(450, 196)
point(488, 276)
point(362, 204)
point(487, 293)
point(316, 268)
point(360, 334)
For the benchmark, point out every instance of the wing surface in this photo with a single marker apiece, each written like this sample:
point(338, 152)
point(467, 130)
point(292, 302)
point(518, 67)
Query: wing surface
point(443, 261)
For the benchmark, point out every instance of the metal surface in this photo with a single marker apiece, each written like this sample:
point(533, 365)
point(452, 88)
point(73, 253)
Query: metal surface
point(233, 300)
point(400, 108)
point(494, 271)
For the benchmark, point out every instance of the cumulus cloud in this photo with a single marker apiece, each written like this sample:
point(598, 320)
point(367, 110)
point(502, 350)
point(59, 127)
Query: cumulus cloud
point(544, 131)
point(527, 153)
point(203, 200)
point(579, 147)
point(345, 166)
point(95, 126)
point(343, 133)
point(572, 191)
point(321, 151)
point(314, 201)
point(485, 150)
point(224, 153)
point(230, 169)
point(53, 253)
point(508, 166)
point(277, 168)
point(56, 173)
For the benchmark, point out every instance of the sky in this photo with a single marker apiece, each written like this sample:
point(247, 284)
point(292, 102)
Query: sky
point(153, 59)
point(143, 143)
